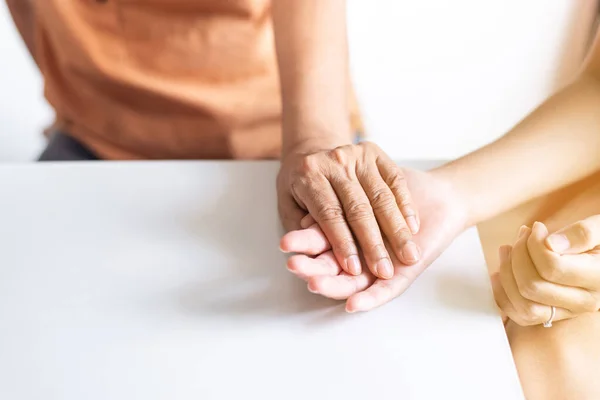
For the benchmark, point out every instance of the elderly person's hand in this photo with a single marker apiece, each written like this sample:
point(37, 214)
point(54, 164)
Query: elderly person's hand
point(358, 197)
point(542, 271)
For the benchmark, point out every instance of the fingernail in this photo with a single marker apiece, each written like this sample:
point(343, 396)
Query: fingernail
point(540, 229)
point(384, 268)
point(311, 289)
point(353, 264)
point(503, 252)
point(522, 231)
point(413, 224)
point(410, 252)
point(558, 242)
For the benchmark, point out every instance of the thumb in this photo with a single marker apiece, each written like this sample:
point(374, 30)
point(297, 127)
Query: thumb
point(576, 238)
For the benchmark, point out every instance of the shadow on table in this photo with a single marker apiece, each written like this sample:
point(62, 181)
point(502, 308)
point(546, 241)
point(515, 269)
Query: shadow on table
point(239, 226)
point(252, 296)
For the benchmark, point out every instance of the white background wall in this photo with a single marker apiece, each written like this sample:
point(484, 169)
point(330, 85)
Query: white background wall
point(436, 78)
point(23, 111)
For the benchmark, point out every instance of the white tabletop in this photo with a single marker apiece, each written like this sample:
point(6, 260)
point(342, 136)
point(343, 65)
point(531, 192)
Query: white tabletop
point(152, 281)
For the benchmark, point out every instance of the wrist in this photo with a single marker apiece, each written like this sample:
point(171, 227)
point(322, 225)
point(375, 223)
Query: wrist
point(463, 194)
point(311, 138)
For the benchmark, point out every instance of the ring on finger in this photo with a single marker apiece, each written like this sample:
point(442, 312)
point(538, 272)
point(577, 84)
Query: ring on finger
point(548, 324)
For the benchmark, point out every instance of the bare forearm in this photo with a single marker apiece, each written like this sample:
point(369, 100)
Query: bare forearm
point(559, 143)
point(311, 43)
point(22, 12)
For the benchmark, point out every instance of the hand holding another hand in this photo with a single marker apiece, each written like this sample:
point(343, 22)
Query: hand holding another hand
point(359, 199)
point(443, 217)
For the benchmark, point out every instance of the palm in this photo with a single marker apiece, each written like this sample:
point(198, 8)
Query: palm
point(442, 219)
point(441, 213)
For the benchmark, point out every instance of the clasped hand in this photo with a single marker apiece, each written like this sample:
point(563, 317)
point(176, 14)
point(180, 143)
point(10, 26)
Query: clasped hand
point(540, 271)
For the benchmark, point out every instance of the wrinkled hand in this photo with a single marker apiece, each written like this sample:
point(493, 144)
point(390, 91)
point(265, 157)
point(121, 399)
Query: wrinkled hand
point(540, 271)
point(352, 192)
point(443, 217)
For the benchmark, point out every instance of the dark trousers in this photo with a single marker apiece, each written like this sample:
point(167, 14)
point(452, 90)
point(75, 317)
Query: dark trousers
point(62, 147)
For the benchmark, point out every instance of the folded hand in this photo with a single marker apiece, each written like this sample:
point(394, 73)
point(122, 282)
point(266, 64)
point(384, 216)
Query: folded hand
point(541, 271)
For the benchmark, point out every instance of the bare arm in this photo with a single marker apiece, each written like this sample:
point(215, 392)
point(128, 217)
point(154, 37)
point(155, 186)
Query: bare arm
point(311, 43)
point(345, 188)
point(558, 144)
point(22, 12)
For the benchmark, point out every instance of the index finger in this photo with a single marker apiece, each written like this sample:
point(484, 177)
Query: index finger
point(394, 178)
point(324, 205)
point(361, 218)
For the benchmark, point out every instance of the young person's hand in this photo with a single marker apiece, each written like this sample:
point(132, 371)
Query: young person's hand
point(359, 198)
point(541, 271)
point(443, 216)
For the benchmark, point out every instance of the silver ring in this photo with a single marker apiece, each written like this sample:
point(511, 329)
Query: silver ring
point(548, 324)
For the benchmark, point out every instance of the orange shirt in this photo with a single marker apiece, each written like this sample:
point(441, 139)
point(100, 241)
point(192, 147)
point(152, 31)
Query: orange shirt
point(162, 79)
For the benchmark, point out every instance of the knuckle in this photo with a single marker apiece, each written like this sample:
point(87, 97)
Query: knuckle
point(331, 213)
point(339, 155)
point(588, 307)
point(343, 163)
point(309, 164)
point(397, 184)
point(545, 271)
point(591, 304)
point(377, 251)
point(358, 210)
point(552, 272)
point(530, 289)
point(584, 232)
point(533, 314)
point(382, 199)
point(596, 296)
point(386, 289)
point(557, 273)
point(401, 232)
point(345, 247)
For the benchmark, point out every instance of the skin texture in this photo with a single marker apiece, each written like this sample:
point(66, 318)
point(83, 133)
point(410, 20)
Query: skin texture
point(355, 193)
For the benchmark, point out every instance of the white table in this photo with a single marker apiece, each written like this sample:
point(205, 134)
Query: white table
point(163, 281)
